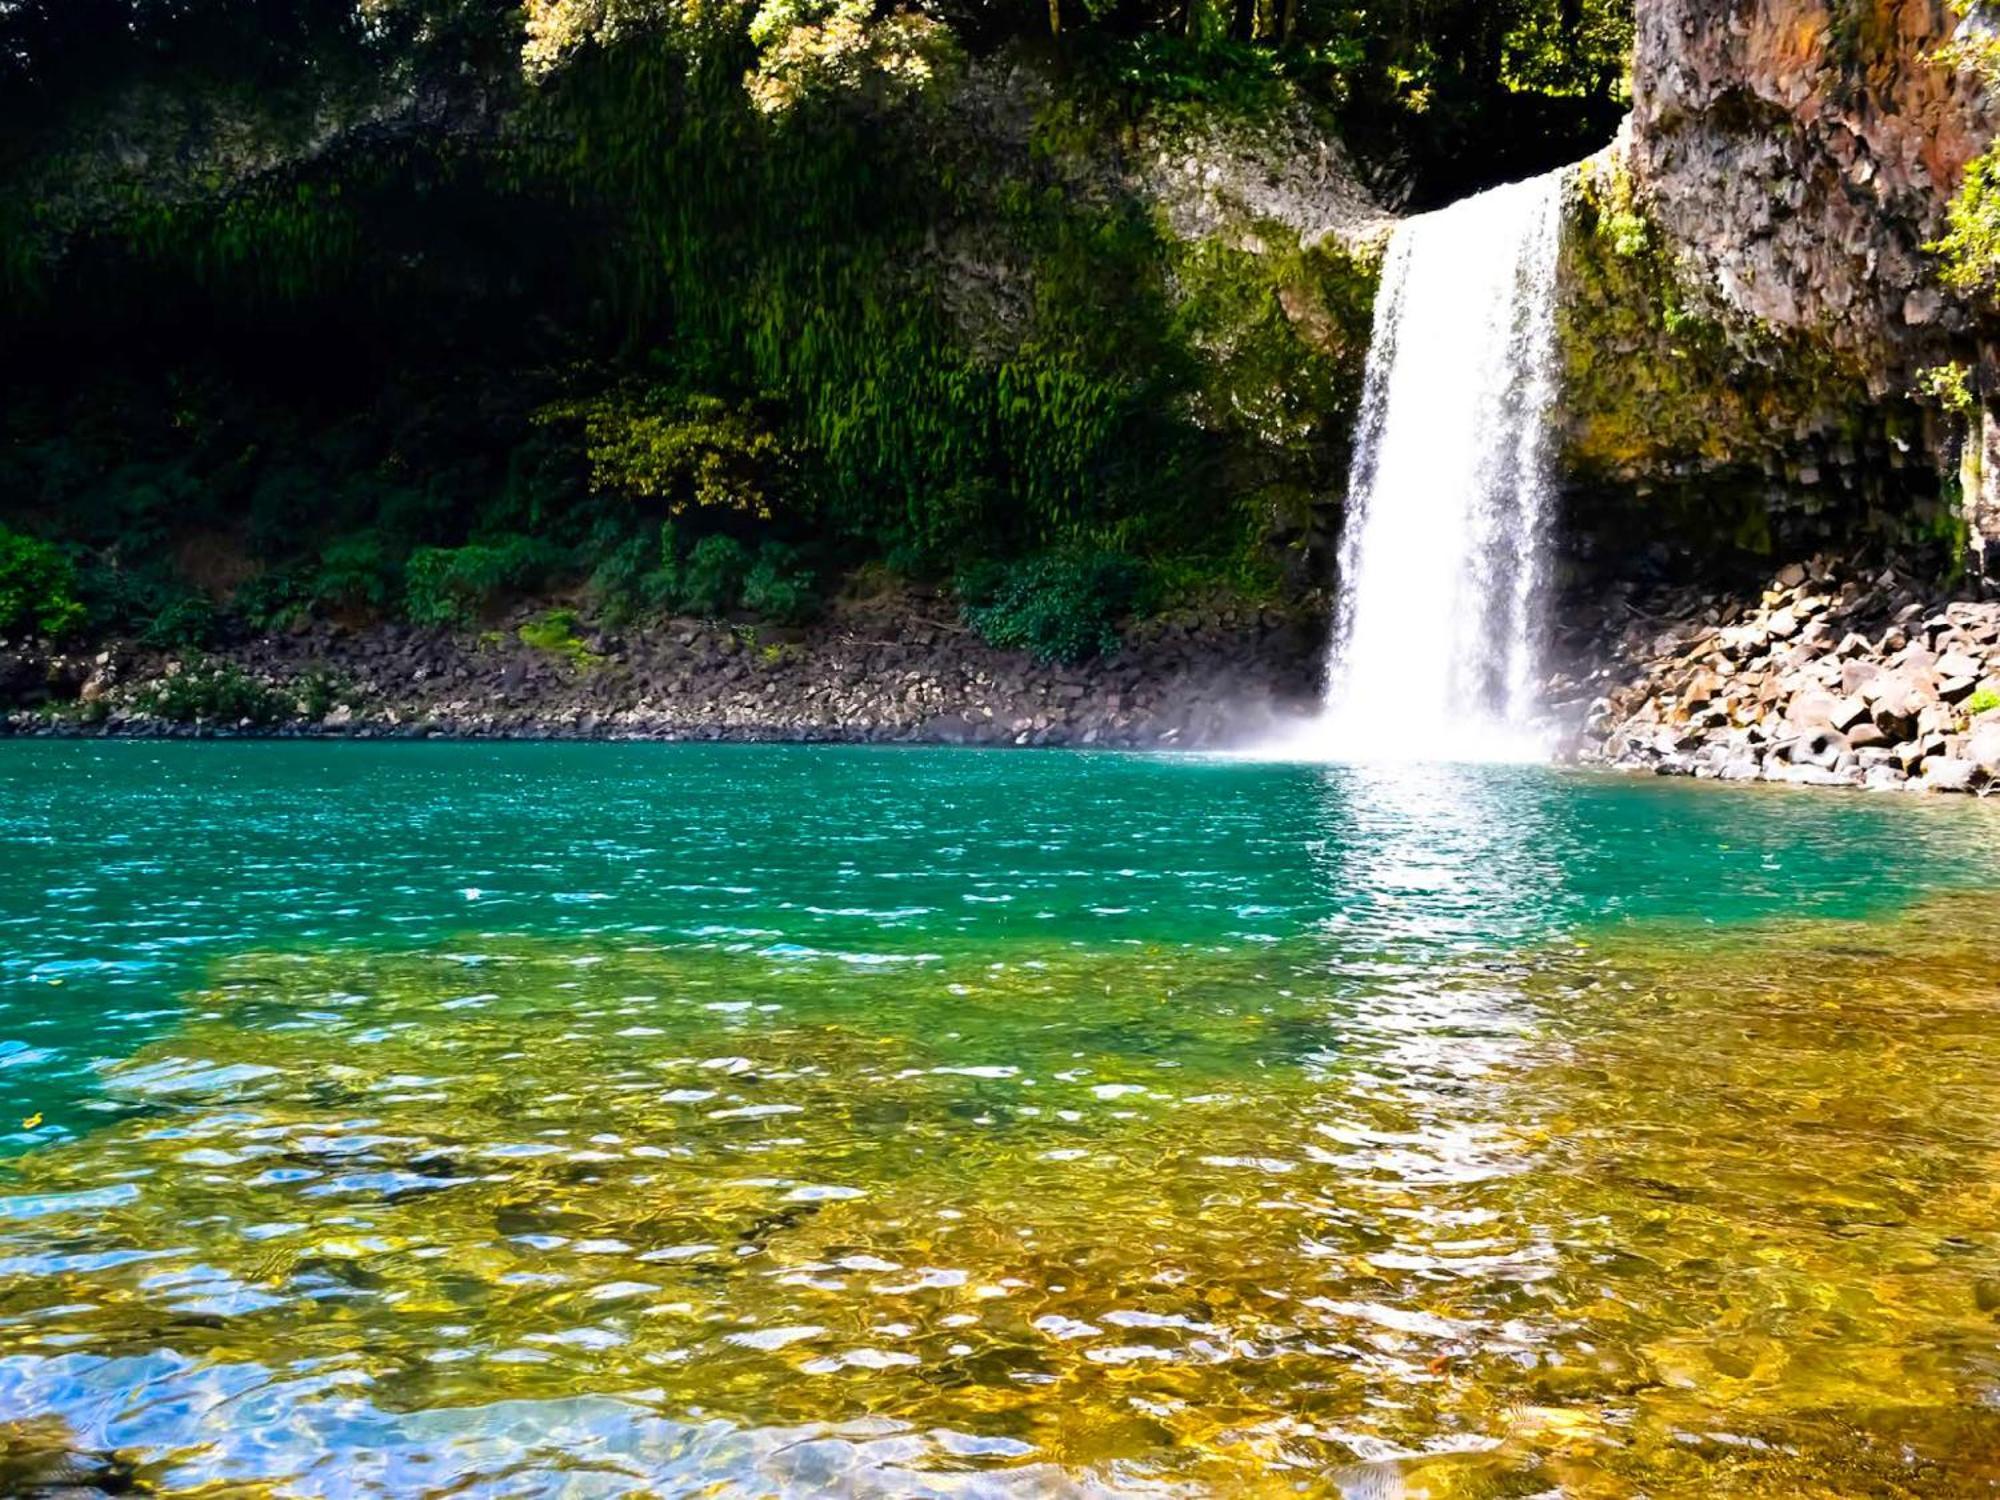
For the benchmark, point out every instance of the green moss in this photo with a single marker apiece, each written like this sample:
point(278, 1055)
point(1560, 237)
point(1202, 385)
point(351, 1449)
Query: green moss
point(556, 633)
point(1716, 438)
point(1655, 380)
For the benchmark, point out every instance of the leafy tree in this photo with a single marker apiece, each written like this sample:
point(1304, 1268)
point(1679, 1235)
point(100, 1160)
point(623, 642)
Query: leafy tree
point(684, 451)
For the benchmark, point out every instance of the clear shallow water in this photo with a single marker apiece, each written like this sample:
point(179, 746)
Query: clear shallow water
point(605, 1120)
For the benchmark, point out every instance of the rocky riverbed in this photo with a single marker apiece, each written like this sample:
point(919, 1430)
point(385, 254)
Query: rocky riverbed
point(904, 670)
point(1835, 674)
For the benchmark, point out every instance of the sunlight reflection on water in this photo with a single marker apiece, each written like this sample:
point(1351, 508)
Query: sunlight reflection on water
point(1331, 1130)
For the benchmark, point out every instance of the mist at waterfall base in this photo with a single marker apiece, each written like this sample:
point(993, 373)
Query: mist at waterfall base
point(1436, 641)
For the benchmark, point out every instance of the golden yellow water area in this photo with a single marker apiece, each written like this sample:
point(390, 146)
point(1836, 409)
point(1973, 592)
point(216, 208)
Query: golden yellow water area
point(1664, 1209)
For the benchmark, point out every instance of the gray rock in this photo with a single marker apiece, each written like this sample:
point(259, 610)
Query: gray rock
point(1982, 746)
point(1945, 773)
point(1822, 747)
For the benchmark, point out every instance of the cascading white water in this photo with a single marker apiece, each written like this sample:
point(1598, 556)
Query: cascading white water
point(1435, 645)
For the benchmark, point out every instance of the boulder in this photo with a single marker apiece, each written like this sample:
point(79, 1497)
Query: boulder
point(1823, 747)
point(1701, 689)
point(1910, 755)
point(1955, 664)
point(1883, 778)
point(1936, 718)
point(1856, 673)
point(1895, 700)
point(1946, 773)
point(1982, 746)
point(1812, 710)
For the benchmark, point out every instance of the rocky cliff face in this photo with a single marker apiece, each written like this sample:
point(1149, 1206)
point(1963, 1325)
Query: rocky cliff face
point(1801, 153)
point(1750, 306)
point(1750, 311)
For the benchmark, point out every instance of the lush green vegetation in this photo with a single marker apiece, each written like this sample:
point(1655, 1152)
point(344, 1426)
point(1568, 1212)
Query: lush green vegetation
point(1970, 248)
point(37, 587)
point(1060, 606)
point(775, 280)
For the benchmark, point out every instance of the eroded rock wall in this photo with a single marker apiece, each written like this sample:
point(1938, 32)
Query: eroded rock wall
point(1699, 440)
point(1750, 307)
point(1801, 153)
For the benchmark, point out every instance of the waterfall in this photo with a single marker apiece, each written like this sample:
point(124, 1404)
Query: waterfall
point(1435, 649)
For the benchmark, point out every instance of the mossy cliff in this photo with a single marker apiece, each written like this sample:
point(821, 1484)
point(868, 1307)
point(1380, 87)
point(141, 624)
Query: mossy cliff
point(1710, 437)
point(1764, 346)
point(329, 350)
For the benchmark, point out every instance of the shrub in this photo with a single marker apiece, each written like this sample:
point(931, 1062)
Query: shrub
point(272, 599)
point(780, 586)
point(320, 690)
point(449, 585)
point(356, 572)
point(1060, 606)
point(185, 622)
point(979, 582)
point(121, 600)
point(1983, 701)
point(213, 692)
point(660, 588)
point(688, 451)
point(619, 581)
point(712, 580)
point(37, 587)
